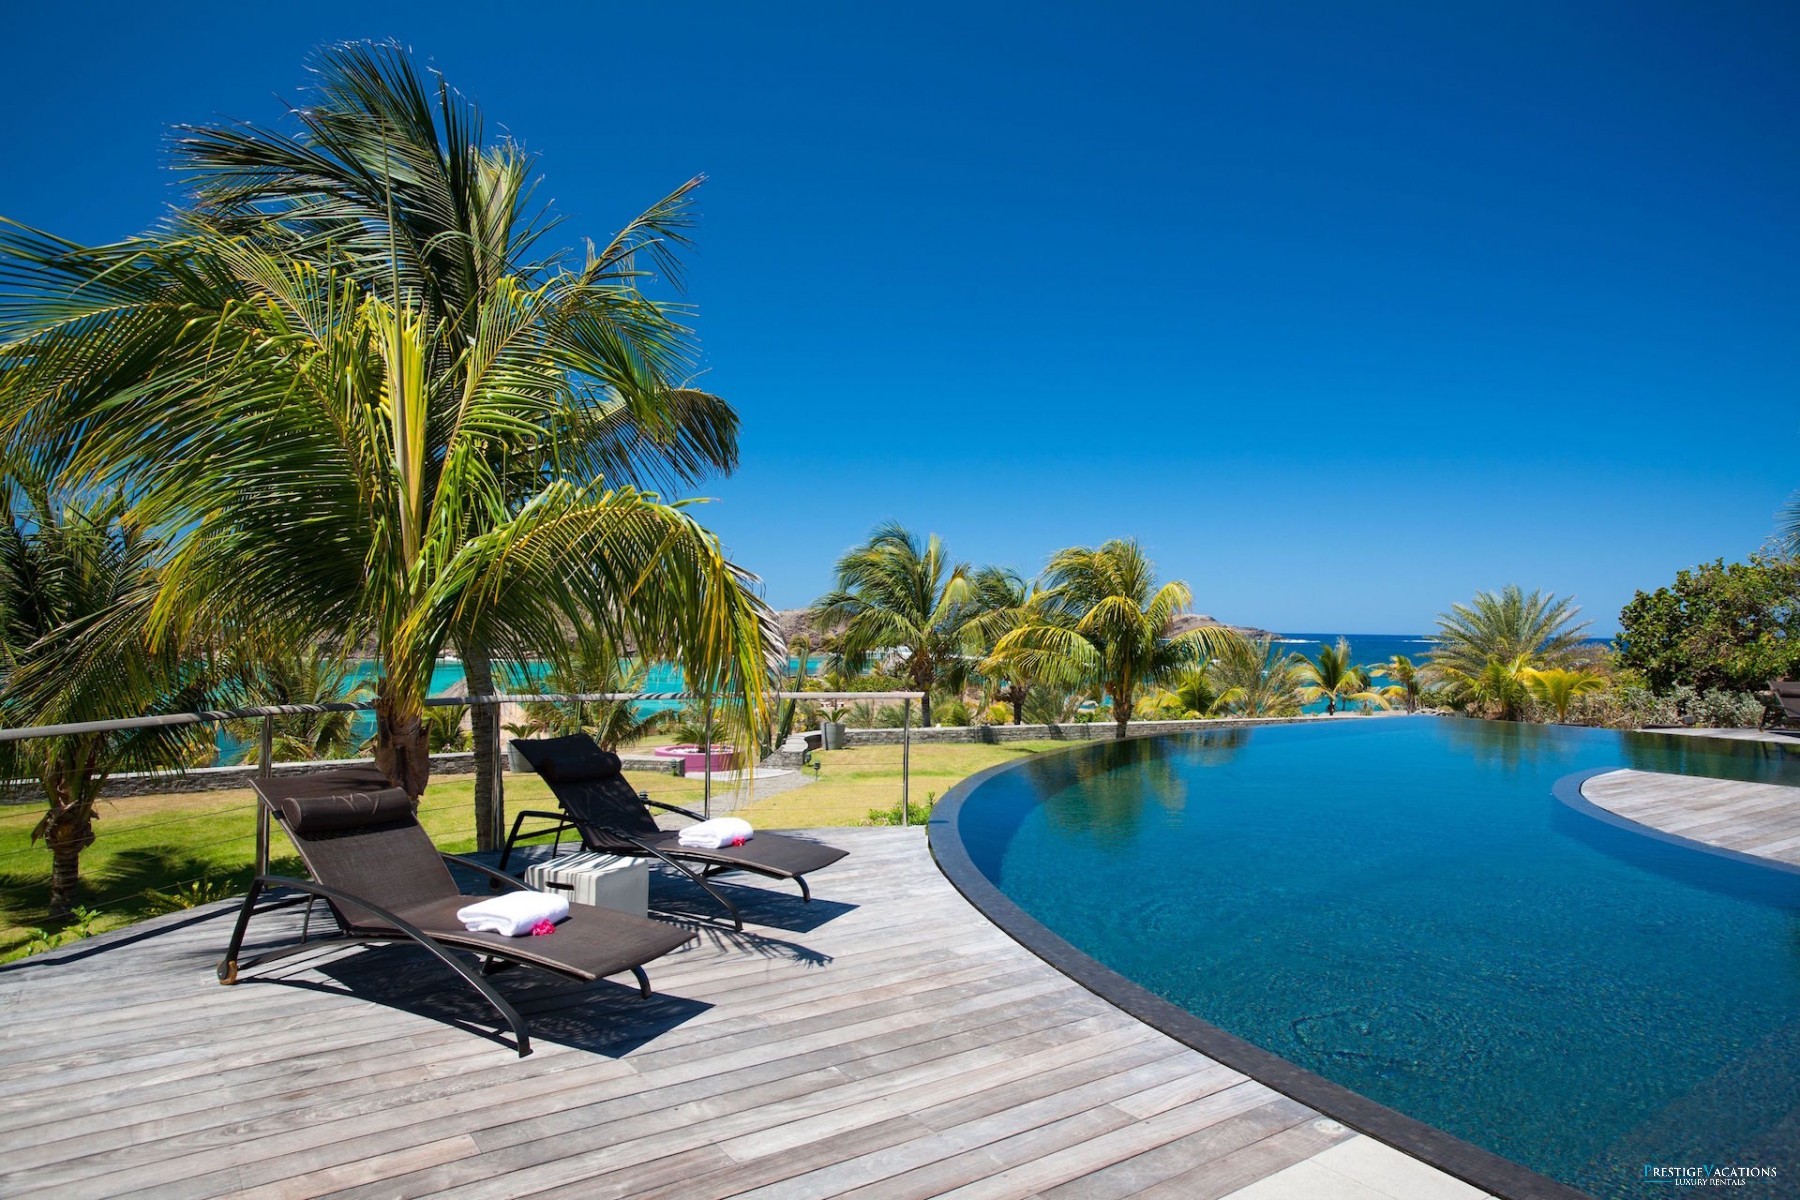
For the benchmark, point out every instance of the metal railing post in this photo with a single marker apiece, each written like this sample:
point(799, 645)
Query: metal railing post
point(499, 785)
point(706, 794)
point(265, 767)
point(906, 764)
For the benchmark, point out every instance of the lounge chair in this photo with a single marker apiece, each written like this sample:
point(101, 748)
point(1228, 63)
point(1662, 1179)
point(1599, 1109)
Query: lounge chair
point(383, 880)
point(1785, 712)
point(613, 818)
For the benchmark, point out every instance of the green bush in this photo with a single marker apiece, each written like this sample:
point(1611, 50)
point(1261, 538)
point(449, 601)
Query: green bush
point(1730, 627)
point(1718, 709)
point(916, 813)
point(1625, 705)
point(188, 895)
point(951, 710)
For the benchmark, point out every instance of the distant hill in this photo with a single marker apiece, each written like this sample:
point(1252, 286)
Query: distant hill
point(1187, 621)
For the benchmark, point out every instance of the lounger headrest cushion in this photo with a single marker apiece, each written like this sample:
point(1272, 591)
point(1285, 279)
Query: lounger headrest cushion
point(583, 767)
point(328, 814)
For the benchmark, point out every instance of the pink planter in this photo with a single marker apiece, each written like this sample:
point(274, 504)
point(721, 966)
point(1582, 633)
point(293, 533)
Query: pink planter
point(724, 758)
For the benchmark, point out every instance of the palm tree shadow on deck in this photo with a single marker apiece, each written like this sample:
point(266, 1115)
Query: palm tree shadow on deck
point(607, 1018)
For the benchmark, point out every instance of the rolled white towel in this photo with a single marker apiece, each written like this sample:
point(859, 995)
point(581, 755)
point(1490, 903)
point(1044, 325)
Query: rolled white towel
point(514, 914)
point(717, 833)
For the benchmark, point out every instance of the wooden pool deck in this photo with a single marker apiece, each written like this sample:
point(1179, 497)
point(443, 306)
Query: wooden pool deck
point(1759, 819)
point(884, 1041)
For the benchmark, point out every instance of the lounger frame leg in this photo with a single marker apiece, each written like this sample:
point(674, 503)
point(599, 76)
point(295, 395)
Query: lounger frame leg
point(643, 982)
point(228, 968)
point(699, 877)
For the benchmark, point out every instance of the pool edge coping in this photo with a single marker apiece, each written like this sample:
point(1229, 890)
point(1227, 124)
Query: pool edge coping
point(1484, 1169)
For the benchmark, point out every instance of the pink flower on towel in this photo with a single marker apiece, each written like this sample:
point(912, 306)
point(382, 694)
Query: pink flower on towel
point(543, 928)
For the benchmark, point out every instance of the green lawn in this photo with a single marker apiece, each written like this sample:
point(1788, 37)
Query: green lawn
point(851, 782)
point(160, 841)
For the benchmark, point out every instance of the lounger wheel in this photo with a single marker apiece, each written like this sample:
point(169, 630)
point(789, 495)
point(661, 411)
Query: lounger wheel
point(228, 972)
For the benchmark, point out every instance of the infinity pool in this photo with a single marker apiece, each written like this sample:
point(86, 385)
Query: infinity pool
point(1402, 907)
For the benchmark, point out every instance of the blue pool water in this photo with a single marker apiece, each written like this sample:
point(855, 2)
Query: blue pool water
point(1403, 907)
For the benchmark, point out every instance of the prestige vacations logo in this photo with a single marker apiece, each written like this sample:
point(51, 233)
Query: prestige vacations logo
point(1707, 1176)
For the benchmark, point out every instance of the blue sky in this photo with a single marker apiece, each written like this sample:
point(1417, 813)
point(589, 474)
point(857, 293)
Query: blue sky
point(1346, 315)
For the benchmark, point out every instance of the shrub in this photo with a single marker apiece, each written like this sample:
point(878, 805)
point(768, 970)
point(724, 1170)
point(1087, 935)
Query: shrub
point(1625, 705)
point(951, 711)
point(187, 895)
point(916, 813)
point(1716, 708)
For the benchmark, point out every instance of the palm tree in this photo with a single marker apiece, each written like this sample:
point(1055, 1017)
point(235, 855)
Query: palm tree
point(800, 646)
point(447, 728)
point(1105, 621)
point(1003, 601)
point(1255, 678)
point(1505, 626)
point(1407, 685)
point(255, 404)
point(298, 676)
point(1191, 694)
point(76, 583)
point(1501, 686)
point(1333, 678)
point(900, 594)
point(1556, 688)
point(391, 177)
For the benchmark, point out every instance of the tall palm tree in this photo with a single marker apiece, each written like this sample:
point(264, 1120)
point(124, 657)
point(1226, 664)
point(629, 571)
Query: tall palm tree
point(1556, 688)
point(896, 592)
point(392, 177)
point(1333, 678)
point(321, 473)
point(1507, 625)
point(1407, 685)
point(1255, 678)
point(1104, 620)
point(76, 584)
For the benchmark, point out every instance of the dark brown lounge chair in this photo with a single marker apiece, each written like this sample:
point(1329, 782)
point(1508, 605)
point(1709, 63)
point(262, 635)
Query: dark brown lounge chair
point(612, 818)
point(1786, 713)
point(383, 880)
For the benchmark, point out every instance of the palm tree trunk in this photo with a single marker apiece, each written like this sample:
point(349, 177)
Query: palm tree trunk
point(478, 676)
point(401, 750)
point(925, 709)
point(68, 830)
point(1017, 697)
point(1121, 718)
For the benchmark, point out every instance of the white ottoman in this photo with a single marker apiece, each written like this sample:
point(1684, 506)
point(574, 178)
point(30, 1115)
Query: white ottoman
point(603, 880)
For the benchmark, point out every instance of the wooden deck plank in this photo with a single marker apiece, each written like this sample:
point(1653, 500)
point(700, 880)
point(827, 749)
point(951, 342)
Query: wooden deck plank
point(889, 1043)
point(1762, 819)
